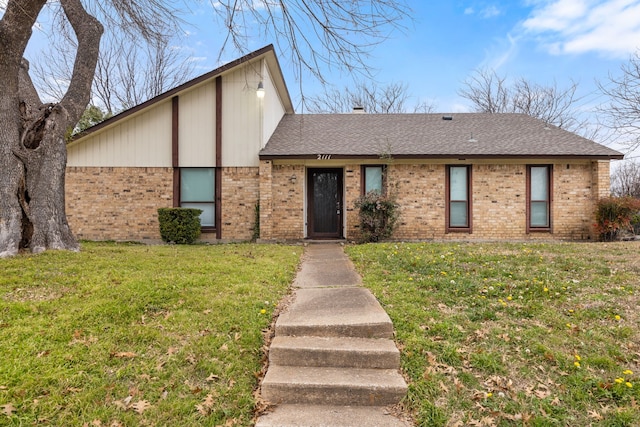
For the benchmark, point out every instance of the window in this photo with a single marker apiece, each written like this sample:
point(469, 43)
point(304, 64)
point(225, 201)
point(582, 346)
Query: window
point(539, 198)
point(373, 179)
point(197, 190)
point(458, 208)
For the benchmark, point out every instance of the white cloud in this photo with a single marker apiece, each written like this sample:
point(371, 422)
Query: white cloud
point(490, 12)
point(611, 27)
point(485, 13)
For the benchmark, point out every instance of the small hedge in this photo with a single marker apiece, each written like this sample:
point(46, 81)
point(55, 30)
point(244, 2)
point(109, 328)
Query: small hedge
point(616, 214)
point(378, 216)
point(179, 225)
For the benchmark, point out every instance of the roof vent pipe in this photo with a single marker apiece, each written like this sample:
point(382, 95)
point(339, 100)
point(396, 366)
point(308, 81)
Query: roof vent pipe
point(358, 109)
point(447, 117)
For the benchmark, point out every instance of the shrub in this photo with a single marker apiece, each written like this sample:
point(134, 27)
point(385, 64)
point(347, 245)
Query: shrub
point(378, 216)
point(615, 214)
point(179, 225)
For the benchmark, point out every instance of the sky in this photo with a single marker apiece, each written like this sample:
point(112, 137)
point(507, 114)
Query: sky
point(544, 41)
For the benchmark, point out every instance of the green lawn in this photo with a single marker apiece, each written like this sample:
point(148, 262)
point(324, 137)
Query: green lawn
point(491, 334)
point(126, 335)
point(513, 334)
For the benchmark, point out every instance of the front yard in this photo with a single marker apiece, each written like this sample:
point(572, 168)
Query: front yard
point(126, 335)
point(513, 334)
point(491, 334)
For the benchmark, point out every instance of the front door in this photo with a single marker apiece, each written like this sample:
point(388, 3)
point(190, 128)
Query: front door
point(324, 203)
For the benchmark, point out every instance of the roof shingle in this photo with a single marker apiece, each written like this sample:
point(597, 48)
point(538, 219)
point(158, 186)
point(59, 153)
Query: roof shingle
point(426, 135)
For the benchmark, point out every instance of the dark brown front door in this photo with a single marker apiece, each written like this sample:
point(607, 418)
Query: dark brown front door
point(324, 203)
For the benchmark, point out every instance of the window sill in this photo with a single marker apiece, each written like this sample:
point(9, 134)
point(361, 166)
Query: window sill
point(458, 230)
point(539, 230)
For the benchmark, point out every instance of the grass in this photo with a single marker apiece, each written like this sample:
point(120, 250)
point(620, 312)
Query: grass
point(126, 335)
point(513, 334)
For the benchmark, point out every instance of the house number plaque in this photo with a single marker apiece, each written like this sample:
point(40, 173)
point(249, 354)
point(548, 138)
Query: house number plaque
point(324, 156)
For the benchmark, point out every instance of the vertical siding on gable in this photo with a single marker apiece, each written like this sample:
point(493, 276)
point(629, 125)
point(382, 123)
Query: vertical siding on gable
point(143, 140)
point(273, 108)
point(241, 110)
point(197, 126)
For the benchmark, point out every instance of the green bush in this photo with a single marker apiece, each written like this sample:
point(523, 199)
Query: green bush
point(179, 225)
point(378, 216)
point(615, 214)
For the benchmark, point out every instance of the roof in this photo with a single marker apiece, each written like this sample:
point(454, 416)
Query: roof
point(469, 135)
point(267, 52)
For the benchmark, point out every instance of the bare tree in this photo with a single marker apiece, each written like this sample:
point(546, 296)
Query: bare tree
point(625, 180)
point(347, 30)
point(392, 98)
point(32, 134)
point(622, 112)
point(491, 93)
point(126, 75)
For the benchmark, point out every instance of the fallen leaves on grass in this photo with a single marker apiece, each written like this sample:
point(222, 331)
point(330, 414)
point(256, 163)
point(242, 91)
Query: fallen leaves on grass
point(8, 409)
point(212, 378)
point(124, 355)
point(140, 406)
point(206, 406)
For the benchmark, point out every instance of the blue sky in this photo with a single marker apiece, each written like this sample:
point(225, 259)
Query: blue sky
point(543, 41)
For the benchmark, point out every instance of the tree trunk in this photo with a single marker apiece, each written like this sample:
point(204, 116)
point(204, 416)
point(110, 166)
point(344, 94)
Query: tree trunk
point(33, 153)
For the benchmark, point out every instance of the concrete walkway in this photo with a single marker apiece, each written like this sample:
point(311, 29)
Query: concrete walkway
point(332, 361)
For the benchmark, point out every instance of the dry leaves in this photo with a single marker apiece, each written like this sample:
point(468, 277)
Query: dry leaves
point(595, 415)
point(212, 378)
point(206, 406)
point(8, 409)
point(124, 355)
point(140, 406)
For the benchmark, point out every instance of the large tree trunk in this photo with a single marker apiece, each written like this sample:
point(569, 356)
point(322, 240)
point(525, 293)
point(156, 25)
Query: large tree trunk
point(33, 154)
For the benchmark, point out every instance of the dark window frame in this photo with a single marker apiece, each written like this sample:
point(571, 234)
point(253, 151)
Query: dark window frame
point(469, 227)
point(549, 200)
point(363, 178)
point(206, 228)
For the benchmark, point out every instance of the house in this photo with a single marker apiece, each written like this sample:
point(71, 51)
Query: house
point(214, 144)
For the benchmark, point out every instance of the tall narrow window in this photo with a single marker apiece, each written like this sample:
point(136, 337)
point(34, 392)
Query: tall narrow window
point(197, 190)
point(539, 203)
point(458, 201)
point(373, 179)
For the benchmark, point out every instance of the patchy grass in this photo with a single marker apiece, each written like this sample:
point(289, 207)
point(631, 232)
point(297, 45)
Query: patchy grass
point(513, 334)
point(137, 335)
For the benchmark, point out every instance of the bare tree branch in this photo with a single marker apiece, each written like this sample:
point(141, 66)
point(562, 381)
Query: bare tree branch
point(622, 112)
point(490, 93)
point(315, 33)
point(392, 98)
point(625, 180)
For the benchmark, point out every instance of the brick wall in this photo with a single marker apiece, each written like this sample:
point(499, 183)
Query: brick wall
point(287, 192)
point(105, 203)
point(122, 203)
point(240, 194)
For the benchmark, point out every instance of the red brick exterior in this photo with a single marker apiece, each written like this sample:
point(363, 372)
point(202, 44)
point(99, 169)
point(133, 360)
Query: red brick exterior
point(121, 203)
point(105, 203)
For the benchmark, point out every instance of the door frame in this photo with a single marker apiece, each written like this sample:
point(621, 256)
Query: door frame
point(309, 202)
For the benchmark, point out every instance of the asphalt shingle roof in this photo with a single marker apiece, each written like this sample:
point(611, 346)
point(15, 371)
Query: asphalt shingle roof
point(426, 135)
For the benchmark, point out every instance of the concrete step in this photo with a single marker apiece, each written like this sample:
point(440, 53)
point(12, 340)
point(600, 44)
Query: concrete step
point(333, 386)
point(374, 353)
point(335, 312)
point(329, 416)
